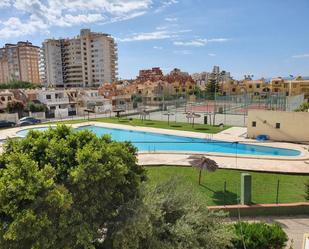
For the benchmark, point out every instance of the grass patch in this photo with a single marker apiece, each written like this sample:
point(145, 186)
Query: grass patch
point(264, 185)
point(203, 128)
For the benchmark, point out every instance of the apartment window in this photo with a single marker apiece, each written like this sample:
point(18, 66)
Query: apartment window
point(84, 43)
point(258, 86)
point(253, 123)
point(277, 125)
point(250, 86)
point(48, 96)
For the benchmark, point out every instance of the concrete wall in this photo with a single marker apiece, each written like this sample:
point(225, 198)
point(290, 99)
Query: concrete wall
point(9, 116)
point(61, 113)
point(294, 126)
point(39, 115)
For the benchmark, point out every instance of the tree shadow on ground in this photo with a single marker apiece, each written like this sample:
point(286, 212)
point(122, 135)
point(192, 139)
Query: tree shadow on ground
point(225, 198)
point(176, 126)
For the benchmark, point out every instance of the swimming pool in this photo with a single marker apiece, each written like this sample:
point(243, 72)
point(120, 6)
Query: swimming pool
point(154, 142)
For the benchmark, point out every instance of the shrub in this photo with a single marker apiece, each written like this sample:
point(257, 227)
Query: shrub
point(259, 236)
point(36, 107)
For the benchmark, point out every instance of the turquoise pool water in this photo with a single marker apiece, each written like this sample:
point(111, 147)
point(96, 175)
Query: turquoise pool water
point(148, 141)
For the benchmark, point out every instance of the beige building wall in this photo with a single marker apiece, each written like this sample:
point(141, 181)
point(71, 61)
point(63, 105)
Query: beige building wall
point(29, 63)
point(19, 62)
point(279, 126)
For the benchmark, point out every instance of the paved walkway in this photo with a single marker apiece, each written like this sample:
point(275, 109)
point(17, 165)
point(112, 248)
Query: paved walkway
point(295, 227)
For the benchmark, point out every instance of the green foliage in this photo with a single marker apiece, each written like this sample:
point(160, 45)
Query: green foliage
point(15, 106)
point(59, 188)
point(16, 84)
point(303, 108)
point(307, 190)
point(163, 218)
point(259, 236)
point(212, 88)
point(36, 107)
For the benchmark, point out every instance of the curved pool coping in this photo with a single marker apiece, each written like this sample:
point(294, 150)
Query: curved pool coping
point(304, 154)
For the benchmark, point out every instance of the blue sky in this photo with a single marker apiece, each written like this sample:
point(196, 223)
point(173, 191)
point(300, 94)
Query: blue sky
point(265, 38)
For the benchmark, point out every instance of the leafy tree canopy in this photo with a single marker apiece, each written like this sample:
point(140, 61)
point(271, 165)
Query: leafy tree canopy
point(16, 84)
point(60, 188)
point(36, 107)
point(212, 88)
point(15, 106)
point(165, 218)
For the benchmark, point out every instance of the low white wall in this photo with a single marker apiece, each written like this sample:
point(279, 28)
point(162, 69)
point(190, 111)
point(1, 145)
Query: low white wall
point(294, 126)
point(39, 115)
point(13, 117)
point(61, 113)
point(103, 108)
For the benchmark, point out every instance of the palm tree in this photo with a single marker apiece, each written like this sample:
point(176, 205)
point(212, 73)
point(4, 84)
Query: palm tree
point(203, 163)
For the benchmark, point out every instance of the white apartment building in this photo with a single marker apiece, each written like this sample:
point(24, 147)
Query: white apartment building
point(58, 103)
point(87, 60)
point(90, 99)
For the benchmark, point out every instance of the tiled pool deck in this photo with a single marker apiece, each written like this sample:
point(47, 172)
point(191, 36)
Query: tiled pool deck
point(297, 164)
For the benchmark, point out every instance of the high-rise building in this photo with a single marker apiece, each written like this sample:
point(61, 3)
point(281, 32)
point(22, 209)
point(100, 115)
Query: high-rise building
point(87, 60)
point(19, 62)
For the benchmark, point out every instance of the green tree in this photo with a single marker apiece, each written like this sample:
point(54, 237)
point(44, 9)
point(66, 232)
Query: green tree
point(36, 107)
point(303, 108)
point(212, 88)
point(15, 107)
point(259, 235)
point(17, 84)
point(165, 218)
point(60, 188)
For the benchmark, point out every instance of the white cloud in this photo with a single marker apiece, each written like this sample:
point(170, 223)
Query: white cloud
point(171, 19)
point(158, 47)
point(5, 3)
point(161, 27)
point(155, 35)
point(212, 55)
point(165, 4)
point(199, 42)
point(182, 52)
point(300, 56)
point(41, 15)
point(14, 27)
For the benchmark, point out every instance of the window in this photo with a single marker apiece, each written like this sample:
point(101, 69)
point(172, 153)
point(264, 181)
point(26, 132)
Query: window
point(48, 96)
point(258, 86)
point(253, 123)
point(277, 125)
